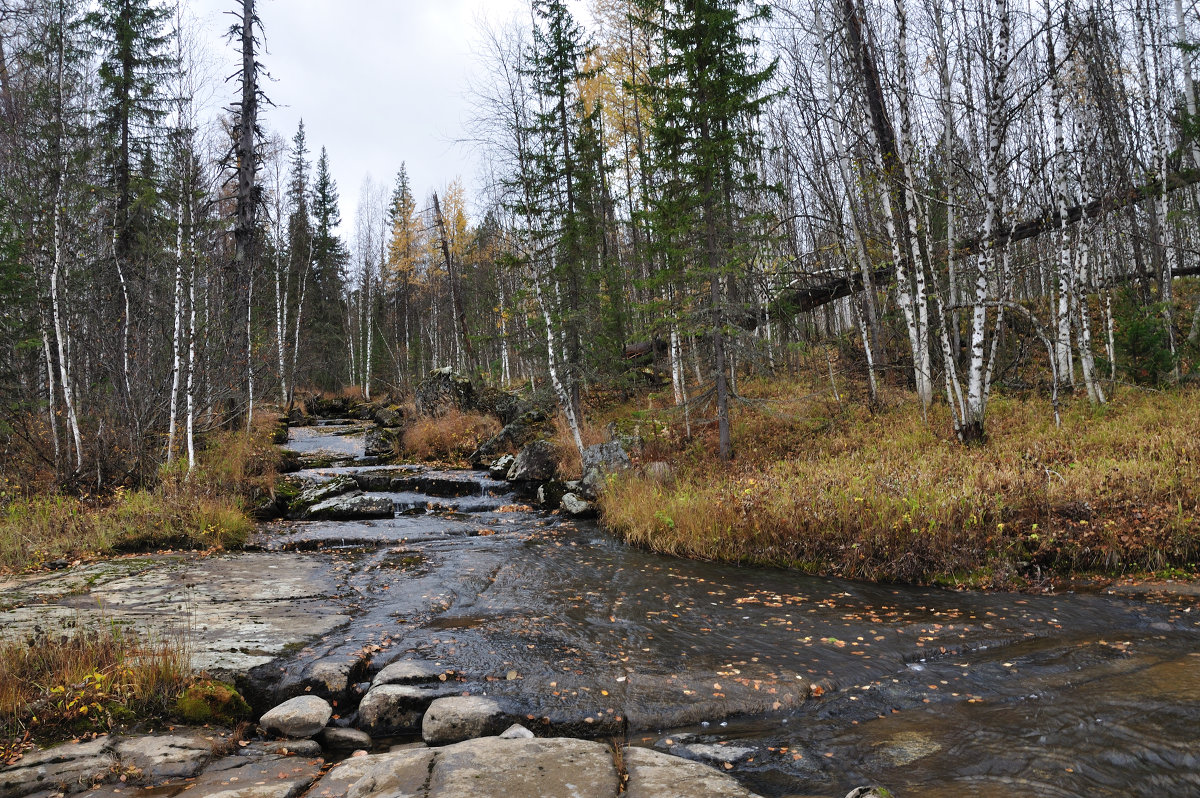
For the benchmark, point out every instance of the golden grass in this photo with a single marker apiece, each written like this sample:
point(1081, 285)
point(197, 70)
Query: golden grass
point(53, 687)
point(887, 496)
point(449, 438)
point(569, 463)
point(204, 510)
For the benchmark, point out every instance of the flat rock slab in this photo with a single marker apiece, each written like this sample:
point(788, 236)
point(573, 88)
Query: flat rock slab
point(281, 601)
point(653, 774)
point(67, 767)
point(493, 767)
point(164, 758)
point(352, 507)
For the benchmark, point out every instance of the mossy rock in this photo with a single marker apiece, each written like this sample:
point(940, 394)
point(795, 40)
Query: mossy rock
point(211, 702)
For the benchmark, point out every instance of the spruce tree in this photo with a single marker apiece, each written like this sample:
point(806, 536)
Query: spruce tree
point(705, 91)
point(134, 68)
point(326, 332)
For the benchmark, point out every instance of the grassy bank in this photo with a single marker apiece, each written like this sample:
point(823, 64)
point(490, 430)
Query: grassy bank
point(207, 509)
point(63, 687)
point(839, 490)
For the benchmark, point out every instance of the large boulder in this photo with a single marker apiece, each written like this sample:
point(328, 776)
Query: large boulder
point(502, 404)
point(390, 708)
point(537, 462)
point(576, 507)
point(599, 462)
point(382, 441)
point(298, 717)
point(458, 718)
point(444, 390)
point(352, 507)
point(528, 426)
point(388, 416)
point(315, 494)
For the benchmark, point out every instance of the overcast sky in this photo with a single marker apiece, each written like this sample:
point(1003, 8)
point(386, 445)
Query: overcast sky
point(377, 82)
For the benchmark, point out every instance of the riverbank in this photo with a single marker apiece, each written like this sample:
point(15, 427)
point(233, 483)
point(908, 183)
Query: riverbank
point(832, 488)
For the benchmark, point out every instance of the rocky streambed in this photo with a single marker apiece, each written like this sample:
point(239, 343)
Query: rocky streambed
point(791, 685)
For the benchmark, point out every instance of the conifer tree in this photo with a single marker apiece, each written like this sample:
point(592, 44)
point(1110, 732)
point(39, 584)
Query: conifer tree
point(705, 91)
point(134, 68)
point(326, 329)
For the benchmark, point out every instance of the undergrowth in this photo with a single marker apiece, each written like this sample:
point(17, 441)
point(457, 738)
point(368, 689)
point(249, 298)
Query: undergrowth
point(57, 687)
point(837, 489)
point(202, 510)
point(449, 438)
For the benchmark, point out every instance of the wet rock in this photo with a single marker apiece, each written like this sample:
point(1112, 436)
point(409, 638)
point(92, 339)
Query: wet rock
point(719, 754)
point(382, 442)
point(352, 507)
point(550, 495)
point(389, 708)
point(398, 774)
point(653, 774)
point(323, 491)
point(537, 462)
point(159, 759)
point(63, 766)
point(409, 672)
point(457, 718)
point(870, 792)
point(256, 776)
point(527, 427)
point(328, 678)
point(576, 507)
point(371, 481)
point(448, 487)
point(516, 732)
point(599, 462)
point(334, 739)
point(555, 768)
point(499, 467)
point(444, 390)
point(302, 716)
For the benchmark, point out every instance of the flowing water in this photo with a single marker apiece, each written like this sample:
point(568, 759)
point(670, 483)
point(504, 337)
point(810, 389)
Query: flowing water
point(796, 685)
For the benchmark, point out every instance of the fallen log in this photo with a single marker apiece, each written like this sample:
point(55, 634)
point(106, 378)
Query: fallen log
point(811, 291)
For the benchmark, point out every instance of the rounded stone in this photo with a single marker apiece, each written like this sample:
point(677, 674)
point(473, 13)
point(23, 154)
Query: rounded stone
point(298, 717)
point(457, 718)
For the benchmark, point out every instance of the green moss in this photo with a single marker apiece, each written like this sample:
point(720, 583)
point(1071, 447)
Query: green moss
point(211, 702)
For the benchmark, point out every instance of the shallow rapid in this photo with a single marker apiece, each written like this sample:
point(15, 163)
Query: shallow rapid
point(796, 685)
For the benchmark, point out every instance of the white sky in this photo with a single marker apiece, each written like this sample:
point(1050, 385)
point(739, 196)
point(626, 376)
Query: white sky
point(377, 82)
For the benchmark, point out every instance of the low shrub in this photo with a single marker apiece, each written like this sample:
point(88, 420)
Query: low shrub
point(449, 438)
point(54, 687)
point(883, 497)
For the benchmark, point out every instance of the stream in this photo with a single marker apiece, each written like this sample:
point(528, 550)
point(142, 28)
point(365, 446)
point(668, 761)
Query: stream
point(796, 685)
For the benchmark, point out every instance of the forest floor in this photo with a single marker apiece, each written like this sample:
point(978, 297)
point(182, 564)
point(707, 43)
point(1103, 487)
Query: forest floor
point(823, 484)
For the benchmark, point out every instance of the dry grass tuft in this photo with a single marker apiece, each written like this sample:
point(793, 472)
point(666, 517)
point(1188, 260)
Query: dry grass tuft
point(55, 687)
point(449, 438)
point(569, 463)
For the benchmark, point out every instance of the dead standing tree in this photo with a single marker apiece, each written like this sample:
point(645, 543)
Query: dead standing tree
point(245, 161)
